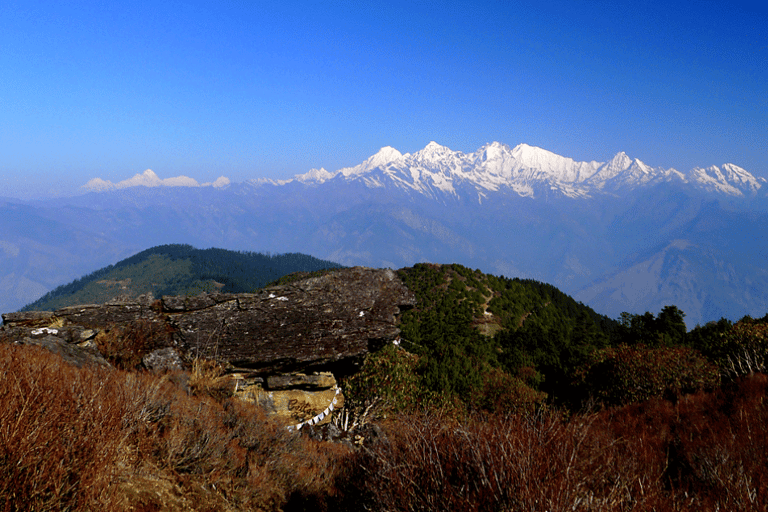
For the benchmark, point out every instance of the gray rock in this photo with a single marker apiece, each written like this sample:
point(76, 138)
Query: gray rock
point(27, 318)
point(163, 360)
point(331, 321)
point(72, 354)
point(324, 380)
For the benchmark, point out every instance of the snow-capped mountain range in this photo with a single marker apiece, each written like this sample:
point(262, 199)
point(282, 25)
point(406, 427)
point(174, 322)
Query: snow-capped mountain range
point(149, 179)
point(525, 170)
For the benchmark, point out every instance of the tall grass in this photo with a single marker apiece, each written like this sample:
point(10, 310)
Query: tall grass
point(87, 439)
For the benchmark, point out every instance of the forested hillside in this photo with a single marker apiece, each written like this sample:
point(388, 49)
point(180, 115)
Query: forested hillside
point(470, 325)
point(179, 270)
point(489, 343)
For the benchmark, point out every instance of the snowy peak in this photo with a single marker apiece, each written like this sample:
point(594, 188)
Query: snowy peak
point(382, 158)
point(494, 159)
point(618, 164)
point(438, 172)
point(623, 172)
point(315, 175)
point(729, 179)
point(493, 152)
point(435, 148)
point(531, 157)
point(550, 166)
point(149, 179)
point(439, 155)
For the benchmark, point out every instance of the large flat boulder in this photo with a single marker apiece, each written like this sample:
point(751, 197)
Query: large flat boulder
point(325, 323)
point(318, 322)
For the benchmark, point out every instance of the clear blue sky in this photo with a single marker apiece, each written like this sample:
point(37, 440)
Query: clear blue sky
point(252, 89)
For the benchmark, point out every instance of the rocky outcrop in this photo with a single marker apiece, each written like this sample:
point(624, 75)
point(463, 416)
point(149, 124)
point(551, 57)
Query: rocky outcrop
point(292, 339)
point(322, 322)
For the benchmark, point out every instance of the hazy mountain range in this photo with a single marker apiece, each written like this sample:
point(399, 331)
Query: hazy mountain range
point(618, 235)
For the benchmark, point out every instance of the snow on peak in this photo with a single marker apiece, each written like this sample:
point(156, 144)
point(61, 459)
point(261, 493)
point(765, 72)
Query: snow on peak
point(149, 179)
point(434, 151)
point(548, 165)
point(315, 175)
point(532, 157)
point(623, 172)
point(729, 179)
point(382, 158)
point(98, 185)
point(385, 155)
point(493, 151)
point(178, 181)
point(525, 170)
point(613, 168)
point(221, 182)
point(620, 162)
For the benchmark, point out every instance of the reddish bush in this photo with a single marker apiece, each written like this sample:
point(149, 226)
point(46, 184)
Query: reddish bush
point(707, 451)
point(60, 432)
point(85, 439)
point(627, 374)
point(125, 345)
point(504, 394)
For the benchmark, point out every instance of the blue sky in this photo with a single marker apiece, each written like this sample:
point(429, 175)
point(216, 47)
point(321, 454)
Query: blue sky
point(272, 89)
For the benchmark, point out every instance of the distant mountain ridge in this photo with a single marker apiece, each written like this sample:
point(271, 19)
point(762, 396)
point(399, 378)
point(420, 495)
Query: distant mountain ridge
point(149, 179)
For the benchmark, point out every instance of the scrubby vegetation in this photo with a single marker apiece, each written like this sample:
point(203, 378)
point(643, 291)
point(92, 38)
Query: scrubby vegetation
point(504, 394)
point(707, 452)
point(86, 439)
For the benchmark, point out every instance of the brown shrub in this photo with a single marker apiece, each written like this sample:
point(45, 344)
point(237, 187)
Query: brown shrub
point(125, 345)
point(208, 378)
point(60, 432)
point(85, 439)
point(535, 462)
point(505, 394)
point(720, 452)
point(628, 374)
point(707, 451)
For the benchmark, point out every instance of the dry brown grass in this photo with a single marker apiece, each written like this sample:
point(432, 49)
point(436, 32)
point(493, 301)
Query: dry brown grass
point(208, 378)
point(86, 439)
